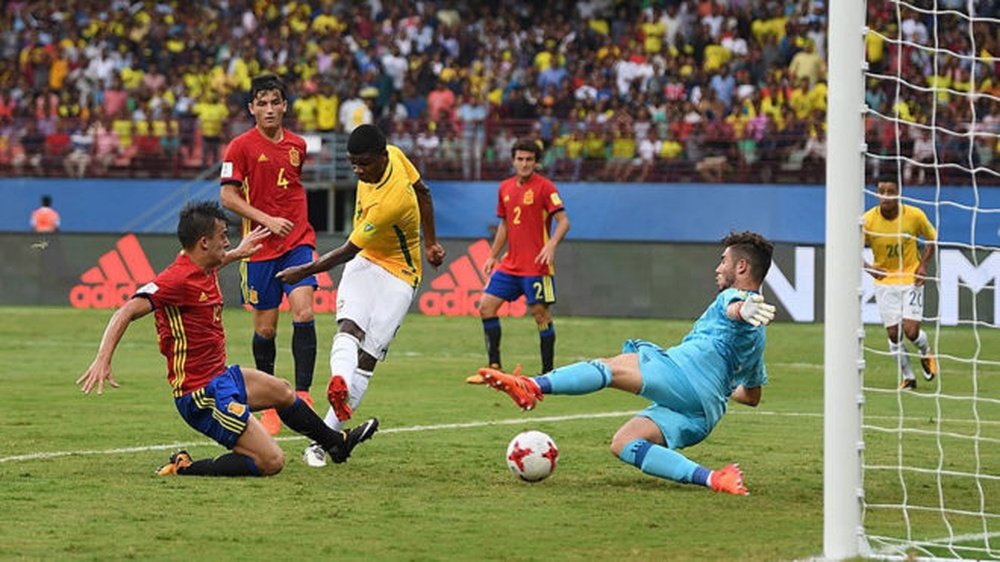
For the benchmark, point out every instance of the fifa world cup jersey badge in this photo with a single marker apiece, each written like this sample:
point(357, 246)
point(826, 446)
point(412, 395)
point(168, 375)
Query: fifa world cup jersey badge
point(294, 157)
point(529, 197)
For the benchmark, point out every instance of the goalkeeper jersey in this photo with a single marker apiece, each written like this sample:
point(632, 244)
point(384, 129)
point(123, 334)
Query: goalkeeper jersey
point(719, 354)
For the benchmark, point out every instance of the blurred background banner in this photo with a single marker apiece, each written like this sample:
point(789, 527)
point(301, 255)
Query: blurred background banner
point(686, 212)
point(593, 278)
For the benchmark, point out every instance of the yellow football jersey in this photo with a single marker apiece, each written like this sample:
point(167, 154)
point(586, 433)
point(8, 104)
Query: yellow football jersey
point(894, 242)
point(387, 219)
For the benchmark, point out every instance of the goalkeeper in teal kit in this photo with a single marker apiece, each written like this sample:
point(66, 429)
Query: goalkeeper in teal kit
point(690, 384)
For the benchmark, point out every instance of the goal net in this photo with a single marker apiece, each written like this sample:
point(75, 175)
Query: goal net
point(929, 457)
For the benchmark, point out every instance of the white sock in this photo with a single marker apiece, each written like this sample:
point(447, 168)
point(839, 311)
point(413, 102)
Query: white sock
point(344, 356)
point(356, 391)
point(899, 352)
point(921, 343)
point(331, 420)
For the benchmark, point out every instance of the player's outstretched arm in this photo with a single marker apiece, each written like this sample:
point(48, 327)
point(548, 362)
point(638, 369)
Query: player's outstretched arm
point(753, 311)
point(99, 371)
point(327, 261)
point(250, 245)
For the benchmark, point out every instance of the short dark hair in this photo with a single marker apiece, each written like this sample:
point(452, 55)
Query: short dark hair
point(366, 139)
point(197, 219)
point(266, 83)
point(754, 248)
point(887, 178)
point(46, 200)
point(527, 145)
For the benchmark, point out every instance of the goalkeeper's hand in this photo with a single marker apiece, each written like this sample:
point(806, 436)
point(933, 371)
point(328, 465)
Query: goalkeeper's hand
point(756, 312)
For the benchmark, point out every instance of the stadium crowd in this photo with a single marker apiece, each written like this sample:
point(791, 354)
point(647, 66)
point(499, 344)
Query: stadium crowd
point(705, 90)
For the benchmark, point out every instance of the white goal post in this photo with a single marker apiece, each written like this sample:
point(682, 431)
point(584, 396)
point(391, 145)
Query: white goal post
point(843, 535)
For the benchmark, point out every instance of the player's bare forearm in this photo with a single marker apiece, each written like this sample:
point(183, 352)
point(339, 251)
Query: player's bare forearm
point(562, 227)
point(100, 369)
point(928, 256)
point(232, 199)
point(499, 240)
point(747, 396)
point(327, 261)
point(426, 204)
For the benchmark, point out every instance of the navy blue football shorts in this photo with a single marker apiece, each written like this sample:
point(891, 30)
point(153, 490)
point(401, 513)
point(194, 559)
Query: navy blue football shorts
point(536, 288)
point(261, 289)
point(219, 409)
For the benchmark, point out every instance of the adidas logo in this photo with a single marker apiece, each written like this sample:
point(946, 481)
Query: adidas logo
point(262, 157)
point(457, 291)
point(114, 279)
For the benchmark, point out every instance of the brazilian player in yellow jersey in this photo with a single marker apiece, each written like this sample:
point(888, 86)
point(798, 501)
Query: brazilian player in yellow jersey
point(382, 271)
point(892, 230)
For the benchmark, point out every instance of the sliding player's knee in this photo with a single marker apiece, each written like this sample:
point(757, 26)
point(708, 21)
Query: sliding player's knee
point(271, 462)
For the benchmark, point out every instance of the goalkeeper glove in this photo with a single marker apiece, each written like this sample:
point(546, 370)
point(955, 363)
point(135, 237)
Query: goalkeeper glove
point(756, 312)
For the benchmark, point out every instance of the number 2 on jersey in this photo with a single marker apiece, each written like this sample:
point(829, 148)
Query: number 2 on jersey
point(517, 215)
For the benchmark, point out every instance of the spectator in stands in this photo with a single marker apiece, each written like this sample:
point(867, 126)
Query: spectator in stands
point(648, 150)
point(357, 110)
point(79, 158)
point(327, 107)
point(32, 143)
point(471, 115)
point(45, 219)
point(212, 113)
point(441, 103)
point(106, 145)
point(428, 143)
point(57, 146)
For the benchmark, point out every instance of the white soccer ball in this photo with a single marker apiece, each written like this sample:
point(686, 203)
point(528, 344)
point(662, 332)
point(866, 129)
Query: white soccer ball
point(532, 455)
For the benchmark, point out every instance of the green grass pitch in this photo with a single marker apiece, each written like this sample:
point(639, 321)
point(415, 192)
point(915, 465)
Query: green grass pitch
point(76, 472)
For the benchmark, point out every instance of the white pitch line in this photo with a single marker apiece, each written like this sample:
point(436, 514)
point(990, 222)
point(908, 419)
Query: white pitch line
point(181, 445)
point(409, 429)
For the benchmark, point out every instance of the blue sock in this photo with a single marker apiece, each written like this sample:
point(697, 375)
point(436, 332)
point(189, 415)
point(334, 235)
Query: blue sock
point(578, 378)
point(657, 460)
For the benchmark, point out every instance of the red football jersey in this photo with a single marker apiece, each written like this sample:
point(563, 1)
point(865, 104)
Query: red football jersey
point(270, 174)
point(527, 209)
point(188, 307)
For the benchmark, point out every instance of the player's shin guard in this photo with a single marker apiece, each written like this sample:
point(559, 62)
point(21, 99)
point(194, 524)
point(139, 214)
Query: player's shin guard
point(304, 353)
point(264, 353)
point(300, 417)
point(657, 460)
point(491, 332)
point(230, 464)
point(579, 378)
point(547, 341)
point(358, 388)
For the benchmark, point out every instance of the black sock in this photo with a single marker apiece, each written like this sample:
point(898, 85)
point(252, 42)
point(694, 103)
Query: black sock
point(491, 329)
point(230, 464)
point(304, 353)
point(263, 353)
point(300, 417)
point(547, 337)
